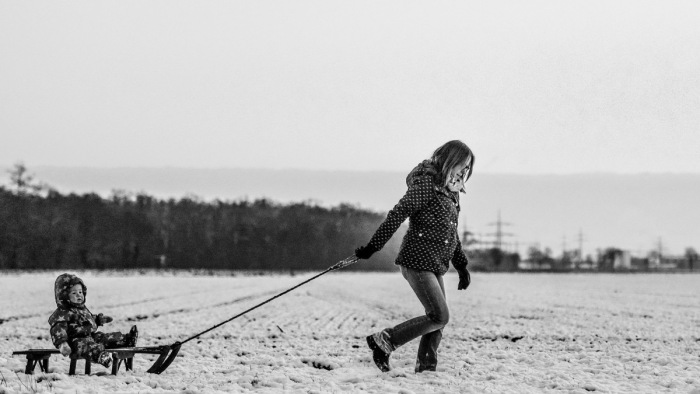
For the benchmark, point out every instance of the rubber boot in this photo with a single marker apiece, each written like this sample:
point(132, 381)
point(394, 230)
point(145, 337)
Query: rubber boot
point(133, 337)
point(104, 359)
point(380, 357)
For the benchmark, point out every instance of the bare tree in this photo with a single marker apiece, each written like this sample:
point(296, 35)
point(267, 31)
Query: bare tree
point(22, 182)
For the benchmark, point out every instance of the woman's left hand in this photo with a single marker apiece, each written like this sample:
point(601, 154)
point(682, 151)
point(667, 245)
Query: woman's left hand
point(464, 279)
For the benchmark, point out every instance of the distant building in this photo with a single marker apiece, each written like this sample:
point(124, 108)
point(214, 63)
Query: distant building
point(622, 261)
point(613, 259)
point(659, 262)
point(640, 264)
point(493, 260)
point(671, 263)
point(529, 265)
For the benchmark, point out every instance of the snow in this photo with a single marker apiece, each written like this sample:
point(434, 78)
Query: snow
point(508, 333)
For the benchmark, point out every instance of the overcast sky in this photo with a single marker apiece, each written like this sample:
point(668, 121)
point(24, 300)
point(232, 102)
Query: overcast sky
point(532, 86)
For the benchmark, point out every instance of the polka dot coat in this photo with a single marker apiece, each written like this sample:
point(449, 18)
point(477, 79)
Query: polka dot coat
point(432, 239)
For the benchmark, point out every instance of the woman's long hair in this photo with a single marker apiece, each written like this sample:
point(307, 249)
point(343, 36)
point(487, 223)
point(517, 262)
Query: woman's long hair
point(449, 155)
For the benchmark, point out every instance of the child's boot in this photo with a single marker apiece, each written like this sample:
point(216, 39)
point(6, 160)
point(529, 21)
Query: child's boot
point(104, 359)
point(132, 337)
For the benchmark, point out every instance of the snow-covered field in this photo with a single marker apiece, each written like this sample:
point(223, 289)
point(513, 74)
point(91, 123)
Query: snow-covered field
point(509, 333)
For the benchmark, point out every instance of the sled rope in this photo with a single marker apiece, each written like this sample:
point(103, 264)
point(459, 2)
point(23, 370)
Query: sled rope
point(341, 264)
point(167, 354)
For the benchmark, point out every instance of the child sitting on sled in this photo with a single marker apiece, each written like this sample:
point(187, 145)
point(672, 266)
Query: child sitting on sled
point(74, 327)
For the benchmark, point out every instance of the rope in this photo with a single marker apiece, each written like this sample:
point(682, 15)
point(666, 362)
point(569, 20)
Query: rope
point(343, 263)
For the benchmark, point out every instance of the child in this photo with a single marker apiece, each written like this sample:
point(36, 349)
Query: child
point(431, 204)
point(74, 327)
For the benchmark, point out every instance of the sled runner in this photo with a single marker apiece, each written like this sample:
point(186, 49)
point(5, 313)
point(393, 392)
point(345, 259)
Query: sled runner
point(119, 355)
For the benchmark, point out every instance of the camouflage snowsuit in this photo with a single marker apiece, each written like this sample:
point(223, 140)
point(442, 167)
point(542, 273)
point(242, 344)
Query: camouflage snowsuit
point(77, 325)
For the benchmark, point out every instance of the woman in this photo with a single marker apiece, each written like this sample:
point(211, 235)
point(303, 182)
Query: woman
point(432, 205)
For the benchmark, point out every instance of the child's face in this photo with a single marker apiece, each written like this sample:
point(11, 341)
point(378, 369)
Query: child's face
point(76, 295)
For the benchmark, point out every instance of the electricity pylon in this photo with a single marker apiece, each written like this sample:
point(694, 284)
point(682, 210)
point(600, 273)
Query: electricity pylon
point(499, 234)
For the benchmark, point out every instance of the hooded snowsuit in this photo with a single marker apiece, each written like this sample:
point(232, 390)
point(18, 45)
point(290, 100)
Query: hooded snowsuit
point(75, 324)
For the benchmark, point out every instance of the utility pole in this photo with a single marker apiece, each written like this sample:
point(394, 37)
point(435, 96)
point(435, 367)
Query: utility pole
point(499, 234)
point(468, 237)
point(563, 246)
point(580, 247)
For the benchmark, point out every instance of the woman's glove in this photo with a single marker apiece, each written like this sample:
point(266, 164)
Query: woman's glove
point(101, 319)
point(365, 252)
point(464, 279)
point(64, 349)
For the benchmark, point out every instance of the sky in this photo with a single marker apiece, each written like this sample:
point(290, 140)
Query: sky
point(536, 87)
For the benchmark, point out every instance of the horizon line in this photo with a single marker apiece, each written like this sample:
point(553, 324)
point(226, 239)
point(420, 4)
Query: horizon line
point(500, 173)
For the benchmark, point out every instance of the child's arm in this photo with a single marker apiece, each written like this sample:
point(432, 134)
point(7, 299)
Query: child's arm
point(59, 334)
point(101, 319)
point(59, 327)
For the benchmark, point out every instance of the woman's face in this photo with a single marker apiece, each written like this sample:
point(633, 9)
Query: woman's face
point(458, 175)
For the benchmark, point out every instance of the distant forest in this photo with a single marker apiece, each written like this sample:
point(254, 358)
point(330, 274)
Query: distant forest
point(41, 228)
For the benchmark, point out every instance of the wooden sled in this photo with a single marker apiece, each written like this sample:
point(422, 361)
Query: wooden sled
point(41, 357)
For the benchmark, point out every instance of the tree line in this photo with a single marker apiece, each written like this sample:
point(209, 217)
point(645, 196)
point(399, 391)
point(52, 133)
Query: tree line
point(41, 228)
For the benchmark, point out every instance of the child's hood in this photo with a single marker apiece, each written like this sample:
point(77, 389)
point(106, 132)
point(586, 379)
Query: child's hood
point(424, 168)
point(62, 287)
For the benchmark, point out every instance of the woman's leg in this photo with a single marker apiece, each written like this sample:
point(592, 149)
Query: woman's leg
point(429, 289)
point(429, 343)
